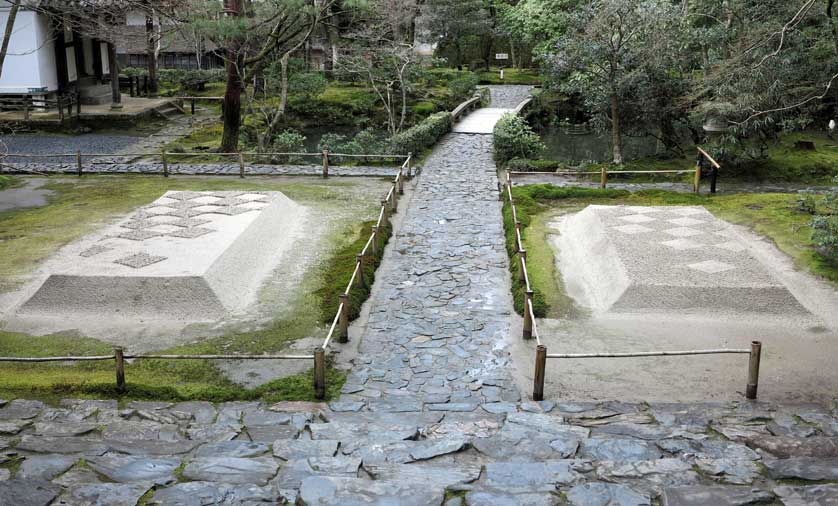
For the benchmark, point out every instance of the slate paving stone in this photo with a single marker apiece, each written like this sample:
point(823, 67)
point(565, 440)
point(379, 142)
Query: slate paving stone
point(237, 449)
point(270, 433)
point(785, 447)
point(331, 491)
point(202, 493)
point(294, 472)
point(486, 497)
point(619, 449)
point(442, 476)
point(64, 429)
point(105, 494)
point(813, 495)
point(733, 471)
point(127, 469)
point(5, 474)
point(21, 409)
point(704, 495)
point(606, 494)
point(532, 476)
point(45, 467)
point(21, 492)
point(803, 468)
point(298, 449)
point(257, 471)
point(64, 445)
point(151, 447)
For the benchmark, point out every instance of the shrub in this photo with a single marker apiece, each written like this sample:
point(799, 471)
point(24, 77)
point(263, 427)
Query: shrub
point(423, 108)
point(514, 138)
point(422, 136)
point(825, 225)
point(520, 165)
point(289, 141)
point(464, 86)
point(307, 84)
point(331, 142)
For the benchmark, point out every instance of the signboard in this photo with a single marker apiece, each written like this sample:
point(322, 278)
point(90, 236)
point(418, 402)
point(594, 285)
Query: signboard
point(501, 56)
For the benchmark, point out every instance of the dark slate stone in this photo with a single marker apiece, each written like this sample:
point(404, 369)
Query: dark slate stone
point(785, 447)
point(499, 407)
point(270, 433)
point(486, 497)
point(106, 494)
point(619, 449)
point(820, 495)
point(135, 469)
point(453, 406)
point(64, 445)
point(152, 447)
point(330, 491)
point(431, 448)
point(45, 467)
point(733, 471)
point(201, 411)
point(606, 494)
point(231, 470)
point(21, 409)
point(295, 471)
point(297, 449)
point(531, 476)
point(21, 492)
point(804, 468)
point(444, 476)
point(346, 406)
point(202, 493)
point(237, 449)
point(715, 496)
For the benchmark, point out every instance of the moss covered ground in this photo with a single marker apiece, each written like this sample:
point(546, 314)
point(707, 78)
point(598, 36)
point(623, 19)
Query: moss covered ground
point(773, 215)
point(78, 207)
point(510, 76)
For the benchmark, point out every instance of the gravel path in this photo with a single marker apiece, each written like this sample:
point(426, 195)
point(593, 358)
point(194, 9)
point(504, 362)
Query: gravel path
point(428, 408)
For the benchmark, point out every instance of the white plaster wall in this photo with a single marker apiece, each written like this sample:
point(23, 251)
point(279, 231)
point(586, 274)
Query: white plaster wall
point(30, 61)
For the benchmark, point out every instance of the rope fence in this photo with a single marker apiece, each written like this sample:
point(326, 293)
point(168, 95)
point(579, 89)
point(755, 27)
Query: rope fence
point(339, 326)
point(530, 329)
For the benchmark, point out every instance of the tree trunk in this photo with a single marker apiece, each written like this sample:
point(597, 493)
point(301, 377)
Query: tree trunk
point(283, 90)
point(512, 52)
point(151, 55)
point(616, 135)
point(116, 96)
point(7, 35)
point(233, 92)
point(833, 22)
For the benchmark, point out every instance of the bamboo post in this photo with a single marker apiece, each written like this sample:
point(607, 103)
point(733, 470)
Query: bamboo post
point(375, 241)
point(410, 165)
point(165, 164)
point(360, 260)
point(394, 199)
point(401, 183)
point(343, 319)
point(320, 373)
point(753, 370)
point(540, 369)
point(192, 107)
point(241, 165)
point(522, 259)
point(120, 369)
point(603, 177)
point(528, 315)
point(384, 217)
point(697, 177)
point(325, 163)
point(78, 161)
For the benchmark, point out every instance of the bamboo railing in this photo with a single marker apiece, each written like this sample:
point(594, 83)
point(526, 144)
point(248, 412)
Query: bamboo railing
point(530, 329)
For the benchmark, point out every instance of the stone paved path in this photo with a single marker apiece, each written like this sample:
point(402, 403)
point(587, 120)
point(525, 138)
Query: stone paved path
point(429, 415)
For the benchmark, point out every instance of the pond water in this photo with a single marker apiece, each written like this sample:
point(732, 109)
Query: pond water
point(592, 147)
point(315, 133)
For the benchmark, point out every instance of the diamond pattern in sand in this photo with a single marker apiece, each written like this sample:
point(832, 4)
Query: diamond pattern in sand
point(94, 250)
point(139, 235)
point(139, 260)
point(686, 222)
point(633, 229)
point(733, 246)
point(637, 218)
point(711, 266)
point(683, 232)
point(189, 222)
point(682, 244)
point(190, 233)
point(688, 211)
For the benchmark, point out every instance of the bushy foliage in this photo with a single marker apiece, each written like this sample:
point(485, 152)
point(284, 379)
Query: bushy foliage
point(463, 87)
point(366, 142)
point(514, 138)
point(422, 136)
point(289, 141)
point(307, 84)
point(825, 225)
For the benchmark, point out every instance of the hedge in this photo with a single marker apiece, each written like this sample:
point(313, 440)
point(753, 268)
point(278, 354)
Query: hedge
point(514, 138)
point(422, 136)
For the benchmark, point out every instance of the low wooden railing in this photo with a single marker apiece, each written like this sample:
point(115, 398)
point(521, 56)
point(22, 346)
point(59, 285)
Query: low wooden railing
point(167, 156)
point(530, 329)
point(31, 103)
point(340, 323)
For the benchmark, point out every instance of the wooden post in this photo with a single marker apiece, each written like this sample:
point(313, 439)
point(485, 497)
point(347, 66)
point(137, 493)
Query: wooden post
point(325, 163)
point(241, 165)
point(697, 177)
point(78, 161)
point(26, 109)
point(401, 183)
point(522, 259)
point(410, 165)
point(120, 369)
point(603, 177)
point(375, 241)
point(360, 260)
point(394, 199)
point(343, 319)
point(528, 315)
point(753, 370)
point(165, 164)
point(500, 191)
point(384, 218)
point(540, 370)
point(320, 373)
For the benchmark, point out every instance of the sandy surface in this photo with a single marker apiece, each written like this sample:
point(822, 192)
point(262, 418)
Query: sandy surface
point(799, 348)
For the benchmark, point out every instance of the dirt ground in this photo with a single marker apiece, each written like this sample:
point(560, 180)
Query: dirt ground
point(799, 354)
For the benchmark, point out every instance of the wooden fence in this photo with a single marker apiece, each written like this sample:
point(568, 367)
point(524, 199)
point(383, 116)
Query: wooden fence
point(340, 324)
point(530, 329)
point(68, 102)
point(604, 173)
point(166, 158)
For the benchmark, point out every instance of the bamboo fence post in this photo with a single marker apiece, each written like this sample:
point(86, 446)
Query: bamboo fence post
point(78, 162)
point(410, 165)
point(241, 165)
point(375, 241)
point(343, 319)
point(603, 177)
point(528, 315)
point(522, 259)
point(540, 370)
point(120, 369)
point(401, 183)
point(193, 106)
point(697, 178)
point(384, 218)
point(360, 261)
point(165, 164)
point(394, 199)
point(320, 373)
point(325, 163)
point(753, 370)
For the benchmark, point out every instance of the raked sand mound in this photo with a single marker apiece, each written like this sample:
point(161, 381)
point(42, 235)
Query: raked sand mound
point(639, 259)
point(192, 256)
